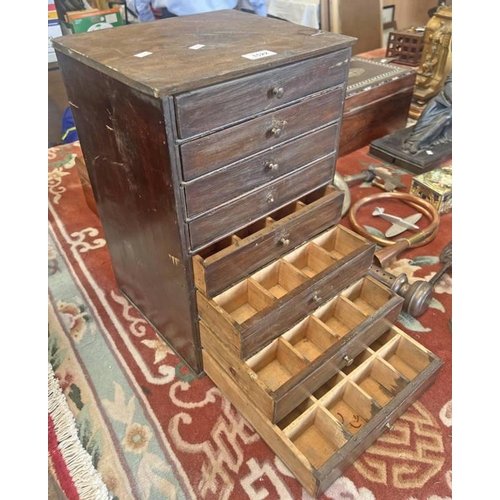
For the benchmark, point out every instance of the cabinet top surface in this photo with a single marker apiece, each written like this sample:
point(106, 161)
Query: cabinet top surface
point(179, 54)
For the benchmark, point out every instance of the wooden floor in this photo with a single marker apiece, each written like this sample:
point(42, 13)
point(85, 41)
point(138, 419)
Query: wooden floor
point(58, 102)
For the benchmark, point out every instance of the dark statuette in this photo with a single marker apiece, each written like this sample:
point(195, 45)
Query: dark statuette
point(427, 144)
point(434, 124)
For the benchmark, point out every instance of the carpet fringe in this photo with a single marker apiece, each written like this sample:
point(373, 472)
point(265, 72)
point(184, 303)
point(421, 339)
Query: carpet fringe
point(86, 478)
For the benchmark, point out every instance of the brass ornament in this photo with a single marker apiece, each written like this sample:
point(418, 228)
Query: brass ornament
point(392, 249)
point(435, 64)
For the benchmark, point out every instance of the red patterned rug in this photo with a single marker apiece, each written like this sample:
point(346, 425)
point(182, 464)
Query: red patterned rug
point(146, 428)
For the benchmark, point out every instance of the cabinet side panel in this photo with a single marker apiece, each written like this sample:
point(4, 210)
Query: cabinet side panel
point(123, 137)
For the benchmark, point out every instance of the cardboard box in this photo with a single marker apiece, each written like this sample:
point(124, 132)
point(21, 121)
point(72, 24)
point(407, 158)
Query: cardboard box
point(93, 19)
point(434, 187)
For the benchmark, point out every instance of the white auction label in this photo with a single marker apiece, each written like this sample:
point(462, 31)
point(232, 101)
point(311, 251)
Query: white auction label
point(143, 54)
point(196, 47)
point(259, 55)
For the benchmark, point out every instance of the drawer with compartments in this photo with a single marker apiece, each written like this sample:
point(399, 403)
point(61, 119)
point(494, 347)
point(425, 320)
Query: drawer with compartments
point(258, 308)
point(339, 420)
point(279, 376)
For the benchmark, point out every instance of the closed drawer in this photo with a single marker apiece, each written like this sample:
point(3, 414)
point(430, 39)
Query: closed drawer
point(213, 107)
point(229, 260)
point(287, 371)
point(227, 146)
point(216, 188)
point(330, 429)
point(242, 211)
point(255, 311)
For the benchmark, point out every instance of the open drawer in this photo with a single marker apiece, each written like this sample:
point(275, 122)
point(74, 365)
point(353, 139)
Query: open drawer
point(328, 431)
point(289, 369)
point(258, 309)
point(229, 260)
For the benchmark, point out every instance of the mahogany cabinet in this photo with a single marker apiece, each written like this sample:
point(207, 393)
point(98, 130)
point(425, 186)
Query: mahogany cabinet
point(210, 143)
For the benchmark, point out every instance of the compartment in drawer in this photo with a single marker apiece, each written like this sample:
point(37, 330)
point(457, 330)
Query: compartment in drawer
point(310, 259)
point(294, 365)
point(221, 186)
point(311, 338)
point(229, 145)
point(211, 107)
point(300, 294)
point(242, 211)
point(407, 358)
point(244, 300)
point(279, 278)
point(380, 380)
point(317, 436)
point(277, 363)
point(340, 316)
point(227, 261)
point(350, 406)
point(368, 296)
point(331, 428)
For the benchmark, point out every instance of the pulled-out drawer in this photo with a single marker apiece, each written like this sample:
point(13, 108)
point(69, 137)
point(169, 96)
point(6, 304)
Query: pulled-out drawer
point(255, 311)
point(227, 146)
point(229, 260)
point(241, 212)
point(207, 192)
point(330, 429)
point(288, 370)
point(213, 107)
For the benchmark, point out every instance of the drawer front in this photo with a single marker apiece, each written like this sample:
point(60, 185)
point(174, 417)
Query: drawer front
point(292, 367)
point(213, 107)
point(244, 210)
point(337, 423)
point(216, 188)
point(253, 312)
point(219, 267)
point(235, 143)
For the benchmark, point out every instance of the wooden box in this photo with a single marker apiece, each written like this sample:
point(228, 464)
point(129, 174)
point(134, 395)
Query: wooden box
point(407, 45)
point(212, 172)
point(186, 147)
point(378, 99)
point(435, 187)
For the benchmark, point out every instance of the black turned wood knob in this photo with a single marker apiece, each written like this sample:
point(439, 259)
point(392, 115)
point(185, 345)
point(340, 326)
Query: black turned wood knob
point(278, 92)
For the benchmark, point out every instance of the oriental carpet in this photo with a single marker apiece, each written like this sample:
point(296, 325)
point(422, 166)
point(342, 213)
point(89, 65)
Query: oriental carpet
point(148, 429)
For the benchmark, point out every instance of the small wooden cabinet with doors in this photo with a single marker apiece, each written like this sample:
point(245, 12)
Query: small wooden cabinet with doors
point(210, 142)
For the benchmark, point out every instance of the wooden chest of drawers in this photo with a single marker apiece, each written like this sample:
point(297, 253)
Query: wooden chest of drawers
point(210, 143)
point(201, 130)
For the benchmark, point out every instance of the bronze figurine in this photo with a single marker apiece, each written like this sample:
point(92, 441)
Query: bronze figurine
point(434, 124)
